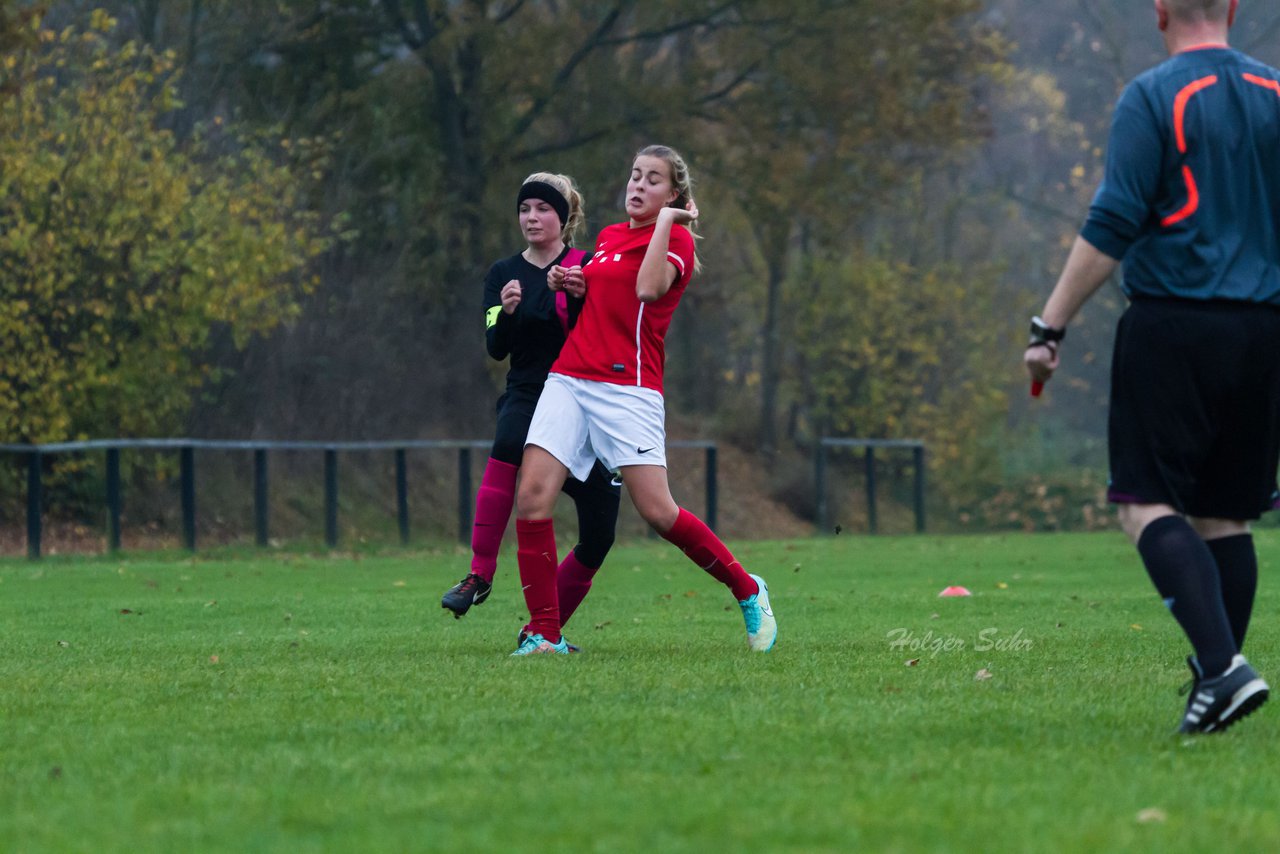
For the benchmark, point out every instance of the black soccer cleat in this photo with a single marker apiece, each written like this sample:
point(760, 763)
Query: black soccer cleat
point(1217, 703)
point(472, 590)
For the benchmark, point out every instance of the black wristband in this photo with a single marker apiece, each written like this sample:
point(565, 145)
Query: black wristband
point(1043, 333)
point(1051, 345)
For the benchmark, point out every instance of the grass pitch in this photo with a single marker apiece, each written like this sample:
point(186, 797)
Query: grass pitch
point(314, 703)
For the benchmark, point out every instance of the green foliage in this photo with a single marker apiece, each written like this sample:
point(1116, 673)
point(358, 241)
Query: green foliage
point(124, 248)
point(889, 351)
point(820, 139)
point(1057, 501)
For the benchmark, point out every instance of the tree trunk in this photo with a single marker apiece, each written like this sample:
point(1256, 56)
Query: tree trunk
point(770, 372)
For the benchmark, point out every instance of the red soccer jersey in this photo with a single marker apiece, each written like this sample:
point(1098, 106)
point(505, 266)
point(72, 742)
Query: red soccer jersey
point(618, 338)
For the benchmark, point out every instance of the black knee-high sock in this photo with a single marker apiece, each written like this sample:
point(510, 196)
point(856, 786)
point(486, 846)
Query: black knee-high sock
point(1186, 575)
point(1238, 576)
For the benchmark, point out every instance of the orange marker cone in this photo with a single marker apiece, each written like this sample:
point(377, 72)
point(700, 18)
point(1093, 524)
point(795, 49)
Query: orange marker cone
point(956, 591)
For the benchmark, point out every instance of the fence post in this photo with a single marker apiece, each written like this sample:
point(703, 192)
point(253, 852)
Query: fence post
point(918, 459)
point(113, 500)
point(402, 497)
point(712, 491)
point(187, 464)
point(870, 455)
point(261, 498)
point(330, 497)
point(820, 484)
point(464, 495)
point(35, 498)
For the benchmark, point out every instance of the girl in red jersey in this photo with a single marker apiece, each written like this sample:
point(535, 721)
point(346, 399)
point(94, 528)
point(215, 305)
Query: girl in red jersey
point(603, 399)
point(528, 322)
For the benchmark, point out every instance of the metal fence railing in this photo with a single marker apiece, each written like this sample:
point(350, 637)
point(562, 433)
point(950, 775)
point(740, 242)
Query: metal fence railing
point(869, 447)
point(186, 450)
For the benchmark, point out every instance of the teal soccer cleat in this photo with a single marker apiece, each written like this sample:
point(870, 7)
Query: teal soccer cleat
point(538, 645)
point(762, 628)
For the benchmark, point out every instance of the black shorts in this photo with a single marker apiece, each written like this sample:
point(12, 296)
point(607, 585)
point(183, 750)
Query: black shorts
point(1195, 407)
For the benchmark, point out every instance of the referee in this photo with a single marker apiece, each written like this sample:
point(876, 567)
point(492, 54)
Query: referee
point(1190, 201)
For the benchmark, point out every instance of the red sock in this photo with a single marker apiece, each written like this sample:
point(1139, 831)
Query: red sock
point(705, 549)
point(536, 556)
point(573, 580)
point(493, 509)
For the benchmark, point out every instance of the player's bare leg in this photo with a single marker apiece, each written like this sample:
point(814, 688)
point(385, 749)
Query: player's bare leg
point(651, 494)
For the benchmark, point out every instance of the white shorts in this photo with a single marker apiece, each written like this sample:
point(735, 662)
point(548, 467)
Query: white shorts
point(578, 421)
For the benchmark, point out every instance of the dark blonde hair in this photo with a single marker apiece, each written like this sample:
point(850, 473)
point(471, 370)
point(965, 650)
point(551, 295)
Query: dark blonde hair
point(570, 228)
point(683, 182)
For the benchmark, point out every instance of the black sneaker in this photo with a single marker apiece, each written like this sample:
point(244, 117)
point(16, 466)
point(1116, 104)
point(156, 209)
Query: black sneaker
point(472, 590)
point(1217, 703)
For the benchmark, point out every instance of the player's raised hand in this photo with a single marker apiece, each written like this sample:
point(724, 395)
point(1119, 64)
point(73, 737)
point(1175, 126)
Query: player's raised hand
point(575, 283)
point(682, 216)
point(511, 293)
point(555, 278)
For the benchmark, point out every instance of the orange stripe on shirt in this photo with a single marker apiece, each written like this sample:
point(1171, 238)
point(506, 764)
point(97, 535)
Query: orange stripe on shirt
point(1179, 116)
point(1273, 85)
point(1193, 199)
point(1180, 107)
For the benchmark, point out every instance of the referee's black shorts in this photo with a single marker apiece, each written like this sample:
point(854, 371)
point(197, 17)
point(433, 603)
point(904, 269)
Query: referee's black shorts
point(1195, 407)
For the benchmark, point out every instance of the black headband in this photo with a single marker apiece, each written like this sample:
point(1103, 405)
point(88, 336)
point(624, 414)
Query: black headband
point(545, 192)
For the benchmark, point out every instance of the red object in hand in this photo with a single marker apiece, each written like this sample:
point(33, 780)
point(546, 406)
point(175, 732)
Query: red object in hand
point(1036, 388)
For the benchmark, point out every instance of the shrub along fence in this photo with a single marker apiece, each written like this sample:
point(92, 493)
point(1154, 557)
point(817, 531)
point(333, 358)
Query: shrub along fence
point(186, 450)
point(869, 447)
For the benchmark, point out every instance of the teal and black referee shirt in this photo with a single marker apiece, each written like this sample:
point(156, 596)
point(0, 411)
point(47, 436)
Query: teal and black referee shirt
point(1190, 200)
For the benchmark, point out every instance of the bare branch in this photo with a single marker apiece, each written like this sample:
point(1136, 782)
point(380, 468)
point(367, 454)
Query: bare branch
point(504, 16)
point(592, 41)
point(526, 154)
point(729, 88)
point(678, 27)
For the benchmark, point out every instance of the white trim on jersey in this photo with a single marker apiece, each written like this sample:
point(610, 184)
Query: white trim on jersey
point(677, 260)
point(639, 345)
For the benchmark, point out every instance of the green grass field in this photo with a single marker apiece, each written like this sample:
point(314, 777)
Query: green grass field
point(289, 702)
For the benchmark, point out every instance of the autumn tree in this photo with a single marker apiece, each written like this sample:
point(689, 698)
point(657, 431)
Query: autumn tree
point(844, 104)
point(123, 249)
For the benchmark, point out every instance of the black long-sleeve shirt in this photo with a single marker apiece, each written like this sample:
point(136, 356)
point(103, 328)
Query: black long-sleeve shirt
point(533, 335)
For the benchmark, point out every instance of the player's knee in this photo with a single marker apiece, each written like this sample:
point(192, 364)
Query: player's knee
point(1134, 518)
point(535, 499)
point(593, 546)
point(660, 515)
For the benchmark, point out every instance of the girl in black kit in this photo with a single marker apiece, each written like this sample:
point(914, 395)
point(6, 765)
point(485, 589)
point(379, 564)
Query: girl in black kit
point(526, 321)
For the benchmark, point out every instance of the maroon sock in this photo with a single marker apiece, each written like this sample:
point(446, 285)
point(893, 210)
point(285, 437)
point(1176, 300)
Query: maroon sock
point(705, 549)
point(536, 556)
point(493, 509)
point(573, 580)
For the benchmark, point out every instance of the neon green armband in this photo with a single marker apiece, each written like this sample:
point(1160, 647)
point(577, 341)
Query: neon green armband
point(491, 316)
